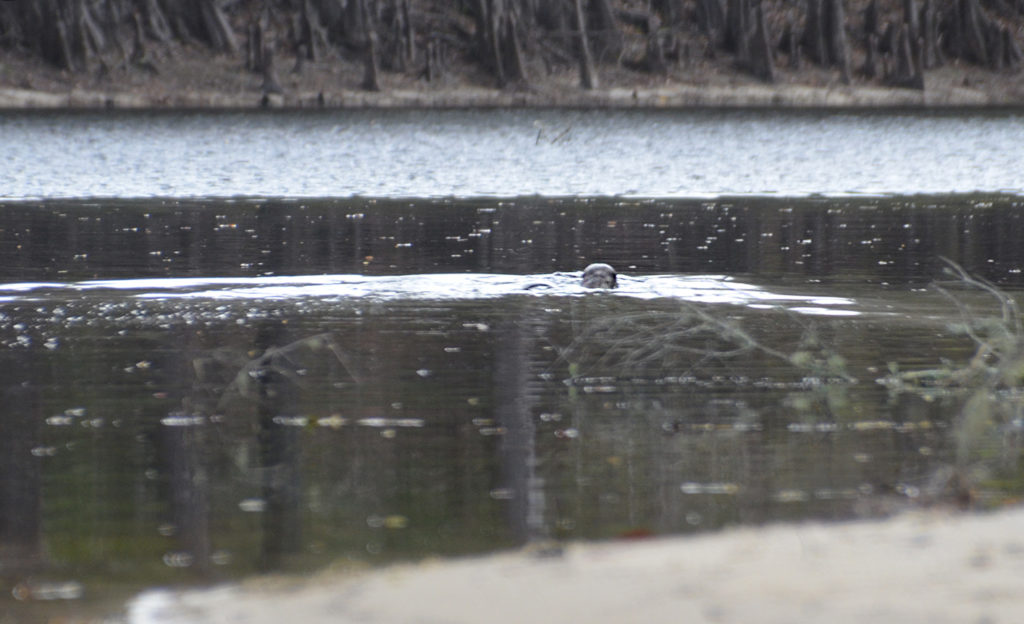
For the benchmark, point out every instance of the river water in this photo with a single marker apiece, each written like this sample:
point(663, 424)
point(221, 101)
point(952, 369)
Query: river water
point(508, 153)
point(236, 343)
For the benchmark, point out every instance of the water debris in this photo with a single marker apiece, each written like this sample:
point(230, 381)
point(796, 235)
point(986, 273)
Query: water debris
point(333, 421)
point(502, 494)
point(291, 421)
point(712, 427)
point(178, 559)
point(393, 521)
point(391, 422)
point(42, 590)
point(791, 496)
point(727, 489)
point(181, 419)
point(569, 433)
point(253, 505)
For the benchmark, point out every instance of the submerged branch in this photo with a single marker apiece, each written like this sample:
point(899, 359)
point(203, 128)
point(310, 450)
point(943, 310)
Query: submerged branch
point(283, 361)
point(990, 425)
point(689, 337)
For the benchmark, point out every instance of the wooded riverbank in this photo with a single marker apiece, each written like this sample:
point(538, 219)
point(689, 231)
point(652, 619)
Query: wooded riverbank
point(501, 53)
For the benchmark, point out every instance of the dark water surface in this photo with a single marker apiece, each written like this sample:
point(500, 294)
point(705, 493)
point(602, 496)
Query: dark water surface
point(200, 390)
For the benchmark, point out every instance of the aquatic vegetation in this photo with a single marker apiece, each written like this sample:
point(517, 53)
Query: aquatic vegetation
point(284, 363)
point(687, 339)
point(990, 424)
point(708, 347)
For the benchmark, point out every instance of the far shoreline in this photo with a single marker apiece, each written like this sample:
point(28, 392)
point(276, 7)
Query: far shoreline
point(669, 97)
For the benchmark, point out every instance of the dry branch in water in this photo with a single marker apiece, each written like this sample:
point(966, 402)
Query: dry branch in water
point(990, 426)
point(283, 362)
point(689, 339)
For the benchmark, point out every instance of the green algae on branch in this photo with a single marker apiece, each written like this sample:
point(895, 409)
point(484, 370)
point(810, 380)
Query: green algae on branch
point(431, 53)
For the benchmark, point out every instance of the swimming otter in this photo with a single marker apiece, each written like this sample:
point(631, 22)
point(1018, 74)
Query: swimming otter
point(600, 275)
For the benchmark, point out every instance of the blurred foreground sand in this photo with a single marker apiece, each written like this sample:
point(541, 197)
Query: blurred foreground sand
point(921, 567)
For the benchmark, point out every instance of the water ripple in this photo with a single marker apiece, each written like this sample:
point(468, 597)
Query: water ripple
point(509, 153)
point(707, 289)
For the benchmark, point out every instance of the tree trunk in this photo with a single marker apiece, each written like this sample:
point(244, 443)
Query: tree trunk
point(215, 24)
point(588, 74)
point(371, 64)
point(737, 19)
point(512, 50)
point(871, 22)
point(63, 33)
point(931, 56)
point(498, 41)
point(870, 69)
point(761, 50)
point(910, 18)
point(403, 47)
point(814, 33)
point(435, 65)
point(839, 51)
point(270, 82)
point(654, 57)
point(1014, 55)
point(608, 39)
point(493, 31)
point(311, 32)
point(908, 66)
point(140, 53)
point(792, 48)
point(711, 18)
point(256, 44)
point(825, 35)
point(973, 20)
point(156, 21)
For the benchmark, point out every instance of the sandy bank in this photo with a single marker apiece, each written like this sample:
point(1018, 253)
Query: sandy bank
point(922, 567)
point(668, 97)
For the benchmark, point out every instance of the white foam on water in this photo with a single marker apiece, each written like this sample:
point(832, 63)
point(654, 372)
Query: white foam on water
point(706, 289)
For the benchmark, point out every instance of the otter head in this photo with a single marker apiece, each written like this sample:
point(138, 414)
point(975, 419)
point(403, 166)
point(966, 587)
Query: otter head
point(599, 275)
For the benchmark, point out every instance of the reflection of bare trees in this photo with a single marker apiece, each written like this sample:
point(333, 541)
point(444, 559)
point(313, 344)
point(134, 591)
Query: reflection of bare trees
point(281, 366)
point(760, 236)
point(684, 404)
point(278, 451)
point(515, 397)
point(20, 494)
point(690, 337)
point(259, 395)
point(184, 448)
point(185, 456)
point(990, 424)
